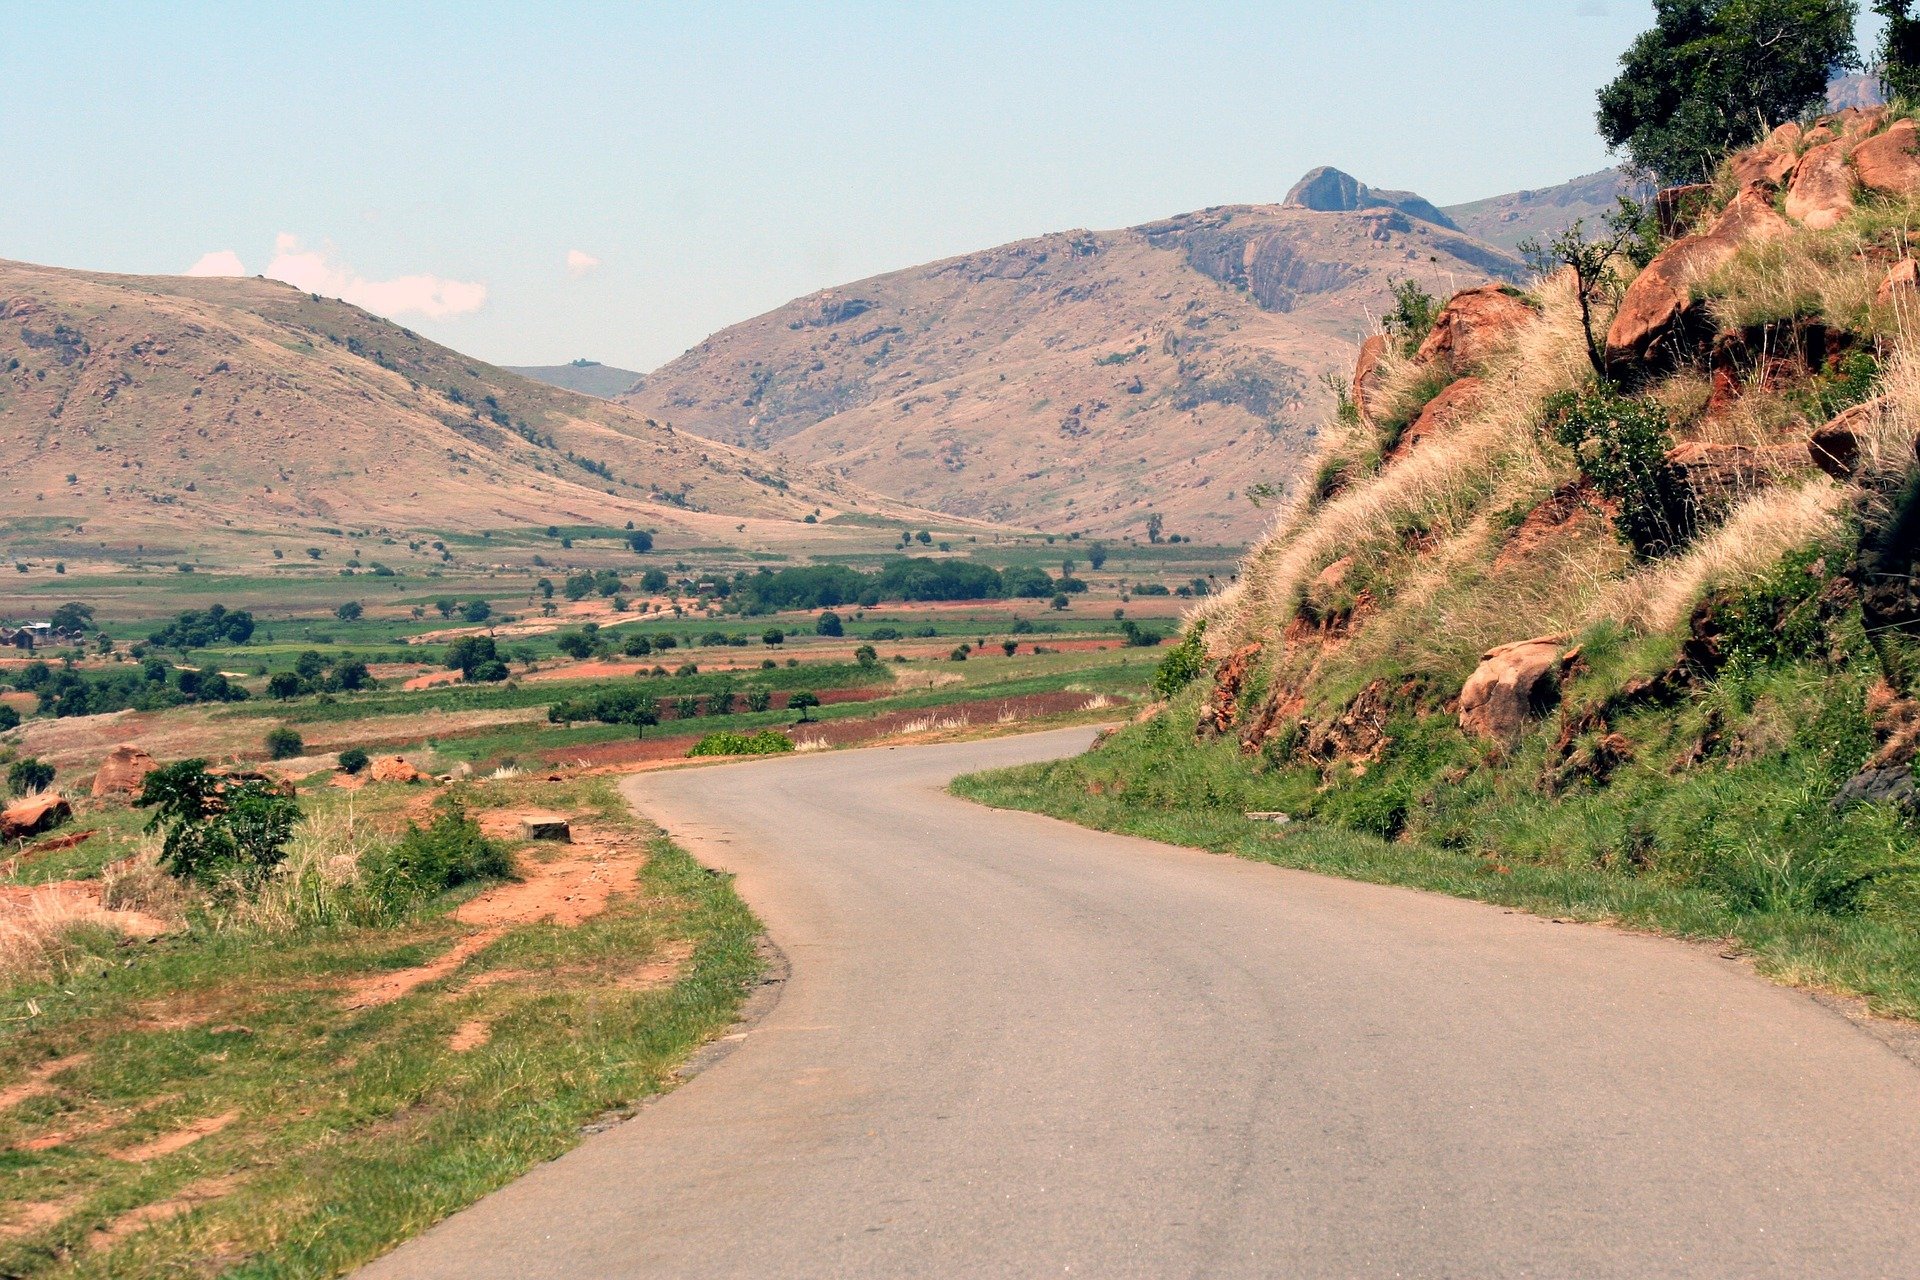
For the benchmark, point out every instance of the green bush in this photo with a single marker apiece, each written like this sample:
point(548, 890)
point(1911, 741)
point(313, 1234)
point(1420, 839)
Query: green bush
point(1621, 444)
point(766, 742)
point(1183, 664)
point(216, 829)
point(283, 744)
point(353, 760)
point(29, 775)
point(9, 718)
point(1412, 317)
point(427, 861)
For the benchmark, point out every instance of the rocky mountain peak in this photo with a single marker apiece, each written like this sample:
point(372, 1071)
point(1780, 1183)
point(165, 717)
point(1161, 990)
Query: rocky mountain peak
point(1330, 190)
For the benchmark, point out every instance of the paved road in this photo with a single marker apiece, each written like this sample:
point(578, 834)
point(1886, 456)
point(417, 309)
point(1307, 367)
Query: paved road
point(1010, 1047)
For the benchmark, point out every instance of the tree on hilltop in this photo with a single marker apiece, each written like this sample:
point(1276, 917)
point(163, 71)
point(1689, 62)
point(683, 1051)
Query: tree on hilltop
point(1899, 54)
point(1716, 75)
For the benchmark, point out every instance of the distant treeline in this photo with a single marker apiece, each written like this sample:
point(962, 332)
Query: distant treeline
point(830, 585)
point(151, 686)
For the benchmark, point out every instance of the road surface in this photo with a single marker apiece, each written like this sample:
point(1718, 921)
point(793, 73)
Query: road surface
point(1010, 1047)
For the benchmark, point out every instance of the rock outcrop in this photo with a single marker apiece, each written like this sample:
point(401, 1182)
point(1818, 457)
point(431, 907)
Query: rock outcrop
point(1442, 414)
point(33, 814)
point(1889, 163)
point(1328, 190)
point(123, 772)
point(394, 769)
point(1717, 475)
point(1513, 684)
point(1367, 376)
point(1473, 325)
point(1822, 190)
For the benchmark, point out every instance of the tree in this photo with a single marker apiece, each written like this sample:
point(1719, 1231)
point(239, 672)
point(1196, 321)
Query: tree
point(641, 541)
point(24, 777)
point(353, 760)
point(1009, 647)
point(283, 685)
point(1899, 54)
point(828, 624)
point(801, 701)
point(72, 617)
point(923, 537)
point(1155, 523)
point(1716, 75)
point(867, 656)
point(1097, 556)
point(446, 606)
point(9, 718)
point(217, 828)
point(468, 653)
point(574, 644)
point(1058, 602)
point(477, 611)
point(349, 612)
point(283, 744)
point(773, 636)
point(653, 581)
point(1594, 279)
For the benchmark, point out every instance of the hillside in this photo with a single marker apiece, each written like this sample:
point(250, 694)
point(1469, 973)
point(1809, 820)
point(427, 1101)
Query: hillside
point(1631, 634)
point(226, 417)
point(588, 377)
point(1543, 213)
point(1079, 381)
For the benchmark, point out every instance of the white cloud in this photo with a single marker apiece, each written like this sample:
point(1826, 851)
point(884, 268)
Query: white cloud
point(580, 264)
point(221, 262)
point(318, 272)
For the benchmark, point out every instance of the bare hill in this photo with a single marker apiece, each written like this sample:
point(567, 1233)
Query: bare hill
point(588, 377)
point(1079, 381)
point(1545, 212)
point(224, 416)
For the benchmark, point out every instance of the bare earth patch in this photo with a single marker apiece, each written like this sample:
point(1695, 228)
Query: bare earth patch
point(40, 1080)
point(189, 1199)
point(179, 1140)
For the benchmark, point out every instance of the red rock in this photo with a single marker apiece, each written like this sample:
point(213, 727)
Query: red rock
point(1772, 162)
point(1661, 296)
point(1676, 207)
point(123, 772)
point(33, 814)
point(1889, 163)
point(1442, 413)
point(1822, 190)
point(1900, 286)
point(1473, 325)
point(1835, 448)
point(1513, 684)
point(1718, 474)
point(394, 769)
point(1366, 376)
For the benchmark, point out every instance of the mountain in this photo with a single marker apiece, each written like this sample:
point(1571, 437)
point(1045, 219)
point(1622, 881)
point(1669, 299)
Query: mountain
point(1331, 191)
point(226, 417)
point(1085, 380)
point(588, 377)
point(1544, 213)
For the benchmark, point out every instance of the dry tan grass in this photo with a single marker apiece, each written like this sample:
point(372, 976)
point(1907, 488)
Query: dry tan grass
point(1753, 537)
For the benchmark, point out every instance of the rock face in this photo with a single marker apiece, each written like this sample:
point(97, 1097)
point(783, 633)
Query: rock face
point(1661, 296)
point(1513, 684)
point(1328, 190)
point(1473, 325)
point(1772, 162)
point(1822, 190)
point(395, 769)
point(1367, 377)
point(123, 772)
point(1718, 474)
point(1835, 448)
point(1442, 413)
point(34, 814)
point(1901, 286)
point(1888, 163)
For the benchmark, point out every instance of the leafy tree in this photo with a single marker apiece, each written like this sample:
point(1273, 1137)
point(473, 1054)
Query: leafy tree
point(574, 644)
point(773, 636)
point(468, 653)
point(350, 674)
point(1715, 75)
point(1590, 262)
point(641, 541)
point(199, 629)
point(1621, 444)
point(867, 656)
point(349, 612)
point(637, 647)
point(1058, 602)
point(1899, 54)
point(446, 606)
point(1009, 647)
point(72, 617)
point(490, 672)
point(653, 581)
point(283, 685)
point(802, 702)
point(828, 624)
point(9, 718)
point(215, 828)
point(283, 744)
point(1155, 523)
point(923, 537)
point(1413, 314)
point(1097, 555)
point(24, 777)
point(477, 611)
point(353, 760)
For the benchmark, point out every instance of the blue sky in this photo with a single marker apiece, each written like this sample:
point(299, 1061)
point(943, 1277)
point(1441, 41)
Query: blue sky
point(704, 162)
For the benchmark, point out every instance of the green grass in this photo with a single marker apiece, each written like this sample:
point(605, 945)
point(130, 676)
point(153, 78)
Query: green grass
point(352, 1130)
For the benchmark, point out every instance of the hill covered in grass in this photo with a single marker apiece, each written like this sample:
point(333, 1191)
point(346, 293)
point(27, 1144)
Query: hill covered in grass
point(163, 416)
point(1616, 617)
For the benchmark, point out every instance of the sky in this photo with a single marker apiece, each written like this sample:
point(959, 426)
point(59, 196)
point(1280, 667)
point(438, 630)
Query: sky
point(533, 183)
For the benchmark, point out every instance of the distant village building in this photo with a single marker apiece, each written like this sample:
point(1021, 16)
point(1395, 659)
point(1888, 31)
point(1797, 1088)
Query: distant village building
point(37, 635)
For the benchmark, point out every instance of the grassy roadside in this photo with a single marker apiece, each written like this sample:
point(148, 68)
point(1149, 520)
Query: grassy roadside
point(219, 1101)
point(1867, 956)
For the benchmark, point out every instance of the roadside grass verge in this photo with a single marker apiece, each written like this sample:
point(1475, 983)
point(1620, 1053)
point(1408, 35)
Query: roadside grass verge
point(230, 1100)
point(1872, 956)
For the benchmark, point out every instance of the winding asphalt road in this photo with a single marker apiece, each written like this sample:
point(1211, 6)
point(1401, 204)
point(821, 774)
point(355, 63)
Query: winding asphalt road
point(1010, 1047)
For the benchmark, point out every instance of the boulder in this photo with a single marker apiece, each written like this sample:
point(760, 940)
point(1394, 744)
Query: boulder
point(31, 815)
point(1835, 448)
point(1772, 162)
point(394, 769)
point(1822, 190)
point(1718, 474)
point(1443, 412)
point(1890, 162)
point(1473, 325)
point(1661, 296)
point(1367, 377)
point(1901, 284)
point(1676, 207)
point(1513, 684)
point(123, 772)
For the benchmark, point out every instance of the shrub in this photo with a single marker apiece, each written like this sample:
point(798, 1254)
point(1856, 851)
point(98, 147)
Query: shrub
point(802, 701)
point(773, 635)
point(1139, 637)
point(1621, 443)
point(574, 644)
point(283, 744)
point(637, 647)
point(217, 829)
point(427, 861)
point(759, 699)
point(9, 718)
point(828, 624)
point(1183, 663)
point(766, 742)
point(353, 760)
point(24, 777)
point(866, 655)
point(1412, 317)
